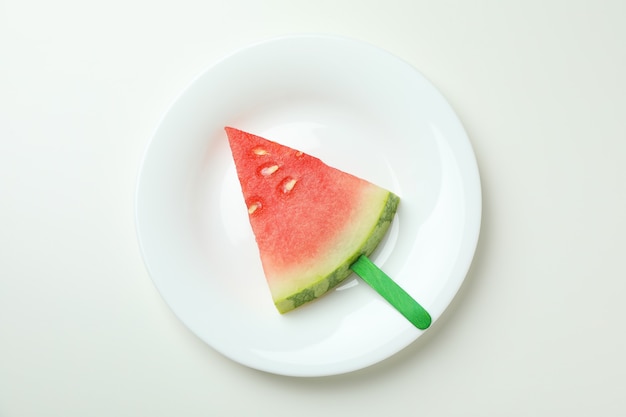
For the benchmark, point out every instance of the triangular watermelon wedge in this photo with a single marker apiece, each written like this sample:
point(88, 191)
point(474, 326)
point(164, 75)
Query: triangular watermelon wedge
point(311, 221)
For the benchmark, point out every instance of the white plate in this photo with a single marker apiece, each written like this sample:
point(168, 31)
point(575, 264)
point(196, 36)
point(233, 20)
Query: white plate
point(359, 109)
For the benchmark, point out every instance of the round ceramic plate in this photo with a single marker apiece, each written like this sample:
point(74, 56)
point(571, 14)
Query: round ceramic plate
point(359, 109)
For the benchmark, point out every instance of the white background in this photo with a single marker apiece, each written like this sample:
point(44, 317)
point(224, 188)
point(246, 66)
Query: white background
point(536, 330)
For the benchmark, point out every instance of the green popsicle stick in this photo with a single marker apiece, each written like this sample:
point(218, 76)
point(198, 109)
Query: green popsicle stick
point(391, 292)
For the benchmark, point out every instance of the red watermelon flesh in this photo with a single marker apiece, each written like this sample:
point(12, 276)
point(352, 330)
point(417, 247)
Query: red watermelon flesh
point(310, 221)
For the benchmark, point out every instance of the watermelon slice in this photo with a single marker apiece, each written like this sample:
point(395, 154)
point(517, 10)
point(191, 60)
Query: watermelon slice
point(311, 221)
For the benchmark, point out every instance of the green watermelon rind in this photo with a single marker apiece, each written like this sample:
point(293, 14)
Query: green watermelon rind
point(343, 271)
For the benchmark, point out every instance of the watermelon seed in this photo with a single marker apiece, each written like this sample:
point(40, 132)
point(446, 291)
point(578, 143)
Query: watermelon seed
point(299, 154)
point(287, 184)
point(252, 207)
point(259, 151)
point(269, 170)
